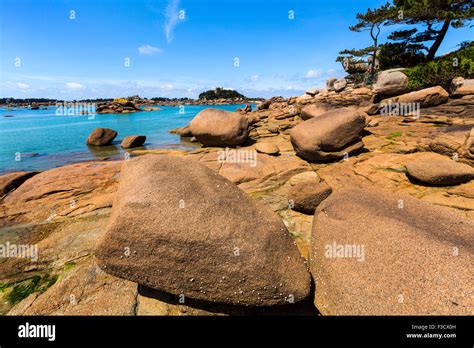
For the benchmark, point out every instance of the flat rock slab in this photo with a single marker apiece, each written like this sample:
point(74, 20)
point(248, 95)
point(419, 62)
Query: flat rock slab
point(179, 227)
point(427, 97)
point(438, 170)
point(66, 191)
point(83, 290)
point(378, 253)
point(11, 181)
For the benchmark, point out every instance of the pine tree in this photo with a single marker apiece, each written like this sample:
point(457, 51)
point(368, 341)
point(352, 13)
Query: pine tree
point(370, 21)
point(437, 16)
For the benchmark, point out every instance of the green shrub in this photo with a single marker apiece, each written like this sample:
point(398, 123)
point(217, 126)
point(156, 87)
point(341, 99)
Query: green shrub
point(26, 287)
point(441, 71)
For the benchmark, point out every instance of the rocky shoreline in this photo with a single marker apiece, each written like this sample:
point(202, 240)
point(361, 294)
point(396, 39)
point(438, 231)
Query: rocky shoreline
point(325, 203)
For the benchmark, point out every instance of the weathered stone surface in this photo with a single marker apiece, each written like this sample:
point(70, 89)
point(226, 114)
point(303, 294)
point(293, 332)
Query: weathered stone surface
point(314, 110)
point(133, 141)
point(373, 123)
point(306, 196)
point(469, 147)
point(214, 127)
point(309, 176)
point(353, 67)
point(461, 87)
point(434, 169)
point(340, 84)
point(101, 136)
point(409, 264)
point(84, 290)
point(330, 83)
point(330, 135)
point(312, 91)
point(391, 83)
point(192, 232)
point(182, 131)
point(265, 173)
point(304, 99)
point(11, 181)
point(62, 192)
point(268, 148)
point(265, 105)
point(427, 97)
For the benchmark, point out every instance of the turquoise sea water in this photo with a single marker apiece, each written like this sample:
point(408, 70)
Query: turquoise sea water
point(40, 139)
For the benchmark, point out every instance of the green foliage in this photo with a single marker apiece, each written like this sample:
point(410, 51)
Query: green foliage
point(394, 135)
point(23, 290)
point(441, 71)
point(370, 21)
point(69, 265)
point(396, 55)
point(430, 20)
point(430, 14)
point(26, 287)
point(220, 93)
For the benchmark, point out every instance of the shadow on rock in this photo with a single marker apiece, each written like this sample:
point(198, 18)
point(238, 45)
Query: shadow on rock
point(305, 307)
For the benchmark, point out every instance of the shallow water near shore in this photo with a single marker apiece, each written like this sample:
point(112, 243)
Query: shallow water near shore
point(40, 139)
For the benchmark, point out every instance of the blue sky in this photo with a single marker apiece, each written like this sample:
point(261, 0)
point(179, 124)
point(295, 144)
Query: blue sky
point(48, 51)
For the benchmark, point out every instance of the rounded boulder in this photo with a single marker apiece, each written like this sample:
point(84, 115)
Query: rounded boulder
point(219, 128)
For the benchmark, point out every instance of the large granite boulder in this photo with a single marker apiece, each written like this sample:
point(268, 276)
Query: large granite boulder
point(329, 136)
point(379, 253)
point(184, 131)
point(214, 127)
point(461, 87)
point(179, 227)
point(133, 141)
point(314, 110)
point(427, 97)
point(391, 83)
point(101, 137)
point(306, 196)
point(355, 67)
point(438, 170)
point(330, 83)
point(11, 181)
point(340, 84)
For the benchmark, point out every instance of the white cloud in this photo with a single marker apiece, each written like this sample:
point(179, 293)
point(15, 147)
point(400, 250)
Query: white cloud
point(313, 74)
point(74, 86)
point(148, 49)
point(172, 19)
point(22, 85)
point(254, 78)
